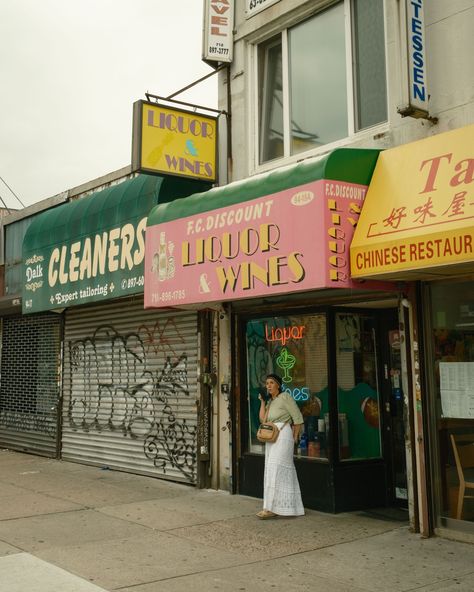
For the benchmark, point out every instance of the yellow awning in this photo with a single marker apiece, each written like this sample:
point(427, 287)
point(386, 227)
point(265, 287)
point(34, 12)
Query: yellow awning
point(417, 221)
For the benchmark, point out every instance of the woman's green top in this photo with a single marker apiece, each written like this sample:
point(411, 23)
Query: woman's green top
point(284, 408)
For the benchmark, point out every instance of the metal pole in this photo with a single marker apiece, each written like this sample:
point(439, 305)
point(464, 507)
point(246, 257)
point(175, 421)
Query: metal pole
point(178, 92)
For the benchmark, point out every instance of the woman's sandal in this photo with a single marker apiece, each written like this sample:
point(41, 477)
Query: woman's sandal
point(265, 514)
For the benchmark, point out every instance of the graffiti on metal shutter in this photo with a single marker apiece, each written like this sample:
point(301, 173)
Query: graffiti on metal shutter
point(119, 393)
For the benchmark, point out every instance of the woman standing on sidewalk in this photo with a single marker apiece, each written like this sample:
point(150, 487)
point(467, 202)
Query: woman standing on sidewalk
point(281, 490)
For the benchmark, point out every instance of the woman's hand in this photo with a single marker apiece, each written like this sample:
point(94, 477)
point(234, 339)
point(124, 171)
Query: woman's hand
point(296, 431)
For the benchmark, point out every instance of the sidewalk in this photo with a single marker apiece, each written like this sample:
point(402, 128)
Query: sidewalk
point(65, 527)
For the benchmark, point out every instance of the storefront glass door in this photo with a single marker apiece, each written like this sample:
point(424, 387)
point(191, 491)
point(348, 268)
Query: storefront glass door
point(357, 387)
point(342, 367)
point(396, 421)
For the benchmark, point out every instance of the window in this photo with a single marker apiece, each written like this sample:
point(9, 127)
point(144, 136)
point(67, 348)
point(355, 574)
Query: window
point(452, 334)
point(309, 93)
point(296, 348)
point(271, 106)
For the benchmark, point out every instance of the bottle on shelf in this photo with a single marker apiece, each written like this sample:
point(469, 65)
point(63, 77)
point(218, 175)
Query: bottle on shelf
point(321, 434)
point(314, 447)
point(162, 259)
point(344, 446)
point(304, 444)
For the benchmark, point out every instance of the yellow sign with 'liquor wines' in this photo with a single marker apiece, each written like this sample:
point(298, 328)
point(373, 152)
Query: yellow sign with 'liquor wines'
point(174, 142)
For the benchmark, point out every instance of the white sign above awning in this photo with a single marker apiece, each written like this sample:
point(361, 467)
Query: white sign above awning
point(217, 40)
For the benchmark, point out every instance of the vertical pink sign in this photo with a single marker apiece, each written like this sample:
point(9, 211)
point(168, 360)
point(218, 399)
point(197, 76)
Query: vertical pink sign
point(343, 204)
point(294, 240)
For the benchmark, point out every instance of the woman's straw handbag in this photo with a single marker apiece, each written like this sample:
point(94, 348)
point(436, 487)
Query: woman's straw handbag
point(267, 432)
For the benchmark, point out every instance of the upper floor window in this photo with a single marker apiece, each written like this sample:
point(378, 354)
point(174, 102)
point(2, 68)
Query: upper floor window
point(322, 80)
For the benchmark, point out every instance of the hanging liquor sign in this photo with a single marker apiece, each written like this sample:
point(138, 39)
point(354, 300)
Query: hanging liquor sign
point(254, 6)
point(173, 142)
point(217, 39)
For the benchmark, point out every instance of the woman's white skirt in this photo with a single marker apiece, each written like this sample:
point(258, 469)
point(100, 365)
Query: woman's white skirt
point(281, 490)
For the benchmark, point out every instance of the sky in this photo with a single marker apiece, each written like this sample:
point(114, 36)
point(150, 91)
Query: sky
point(70, 71)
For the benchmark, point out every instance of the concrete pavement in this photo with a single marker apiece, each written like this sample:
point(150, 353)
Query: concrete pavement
point(66, 527)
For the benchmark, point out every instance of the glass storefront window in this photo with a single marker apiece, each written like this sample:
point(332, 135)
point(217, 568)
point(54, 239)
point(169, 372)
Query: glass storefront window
point(453, 347)
point(295, 347)
point(357, 387)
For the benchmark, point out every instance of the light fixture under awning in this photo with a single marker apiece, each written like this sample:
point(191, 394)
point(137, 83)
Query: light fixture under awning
point(418, 216)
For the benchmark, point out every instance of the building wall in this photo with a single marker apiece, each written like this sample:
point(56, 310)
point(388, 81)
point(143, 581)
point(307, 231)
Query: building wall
point(449, 45)
point(451, 71)
point(450, 77)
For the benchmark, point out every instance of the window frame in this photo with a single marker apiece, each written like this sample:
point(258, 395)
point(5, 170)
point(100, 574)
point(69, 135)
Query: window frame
point(272, 43)
point(255, 166)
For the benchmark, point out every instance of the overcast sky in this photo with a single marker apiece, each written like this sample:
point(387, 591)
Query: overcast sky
point(70, 71)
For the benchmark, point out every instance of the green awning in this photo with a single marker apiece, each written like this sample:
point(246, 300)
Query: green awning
point(92, 248)
point(351, 165)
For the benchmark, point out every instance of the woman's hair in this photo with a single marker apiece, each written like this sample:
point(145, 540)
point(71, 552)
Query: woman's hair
point(277, 379)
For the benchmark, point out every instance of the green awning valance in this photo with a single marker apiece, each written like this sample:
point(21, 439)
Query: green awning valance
point(92, 249)
point(344, 164)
